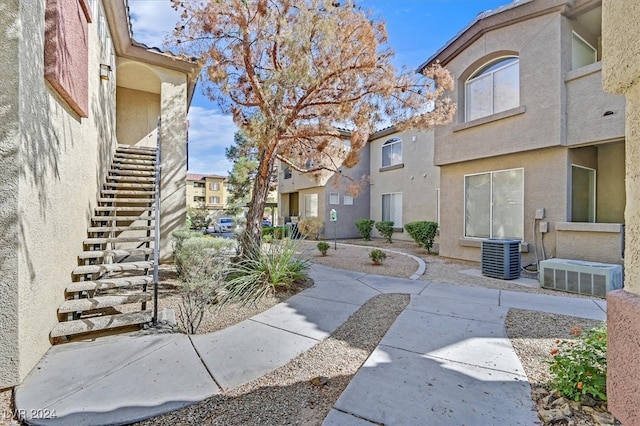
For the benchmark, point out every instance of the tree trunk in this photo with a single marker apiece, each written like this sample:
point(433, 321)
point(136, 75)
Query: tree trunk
point(252, 237)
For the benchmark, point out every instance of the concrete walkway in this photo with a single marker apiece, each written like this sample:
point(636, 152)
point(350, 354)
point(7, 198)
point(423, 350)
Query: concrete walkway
point(446, 360)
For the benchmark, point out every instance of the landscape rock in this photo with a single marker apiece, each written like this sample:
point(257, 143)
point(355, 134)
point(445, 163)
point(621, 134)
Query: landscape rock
point(551, 415)
point(603, 418)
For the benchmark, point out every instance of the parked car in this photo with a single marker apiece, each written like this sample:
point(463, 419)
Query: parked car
point(266, 222)
point(224, 224)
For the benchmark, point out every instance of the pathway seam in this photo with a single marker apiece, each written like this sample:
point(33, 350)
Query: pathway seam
point(205, 365)
point(283, 329)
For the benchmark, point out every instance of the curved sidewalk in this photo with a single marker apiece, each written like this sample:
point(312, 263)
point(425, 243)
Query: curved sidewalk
point(445, 360)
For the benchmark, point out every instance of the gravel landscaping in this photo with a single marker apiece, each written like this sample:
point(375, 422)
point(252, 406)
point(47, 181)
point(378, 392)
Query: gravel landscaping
point(303, 391)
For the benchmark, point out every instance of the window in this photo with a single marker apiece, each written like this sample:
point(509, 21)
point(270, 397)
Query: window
point(198, 199)
point(582, 53)
point(495, 87)
point(334, 198)
point(198, 184)
point(348, 200)
point(494, 205)
point(392, 208)
point(583, 194)
point(214, 199)
point(392, 152)
point(214, 186)
point(287, 172)
point(311, 205)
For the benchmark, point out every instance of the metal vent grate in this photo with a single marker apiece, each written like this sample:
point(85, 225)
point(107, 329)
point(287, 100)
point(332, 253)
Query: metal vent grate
point(501, 259)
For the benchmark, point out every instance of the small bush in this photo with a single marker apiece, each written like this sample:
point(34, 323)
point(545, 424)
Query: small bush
point(385, 228)
point(267, 230)
point(323, 246)
point(255, 277)
point(201, 264)
point(579, 367)
point(310, 227)
point(364, 227)
point(198, 218)
point(423, 233)
point(377, 256)
point(279, 232)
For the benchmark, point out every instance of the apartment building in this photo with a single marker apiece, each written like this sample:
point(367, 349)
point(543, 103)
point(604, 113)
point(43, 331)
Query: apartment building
point(208, 191)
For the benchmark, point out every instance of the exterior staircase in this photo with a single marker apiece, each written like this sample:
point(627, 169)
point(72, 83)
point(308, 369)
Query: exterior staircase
point(114, 281)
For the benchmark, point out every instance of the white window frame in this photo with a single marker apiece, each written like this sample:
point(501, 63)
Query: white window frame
point(212, 199)
point(214, 186)
point(395, 224)
point(580, 38)
point(311, 213)
point(476, 75)
point(389, 144)
point(347, 200)
point(331, 198)
point(464, 203)
point(594, 192)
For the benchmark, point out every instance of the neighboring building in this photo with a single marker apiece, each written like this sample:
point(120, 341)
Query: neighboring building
point(307, 195)
point(621, 75)
point(404, 183)
point(74, 85)
point(536, 150)
point(208, 191)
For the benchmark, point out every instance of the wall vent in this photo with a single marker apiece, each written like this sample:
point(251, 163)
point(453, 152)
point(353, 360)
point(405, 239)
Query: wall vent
point(577, 276)
point(501, 259)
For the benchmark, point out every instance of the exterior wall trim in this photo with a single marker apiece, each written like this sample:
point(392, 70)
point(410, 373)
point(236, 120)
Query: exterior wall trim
point(615, 228)
point(491, 118)
point(582, 71)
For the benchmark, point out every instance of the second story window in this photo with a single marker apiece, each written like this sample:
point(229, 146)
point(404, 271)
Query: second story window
point(582, 53)
point(287, 173)
point(493, 88)
point(214, 186)
point(392, 152)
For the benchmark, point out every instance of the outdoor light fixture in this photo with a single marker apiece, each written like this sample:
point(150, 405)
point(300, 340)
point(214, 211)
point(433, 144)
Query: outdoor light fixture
point(105, 71)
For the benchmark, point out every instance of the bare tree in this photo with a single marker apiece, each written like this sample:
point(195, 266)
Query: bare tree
point(293, 71)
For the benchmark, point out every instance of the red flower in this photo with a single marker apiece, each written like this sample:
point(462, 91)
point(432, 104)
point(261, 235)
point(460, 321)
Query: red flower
point(553, 352)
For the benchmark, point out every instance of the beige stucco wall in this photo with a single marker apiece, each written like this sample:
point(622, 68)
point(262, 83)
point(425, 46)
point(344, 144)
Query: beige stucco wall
point(536, 41)
point(545, 182)
point(55, 164)
point(137, 117)
point(620, 75)
point(610, 186)
point(418, 180)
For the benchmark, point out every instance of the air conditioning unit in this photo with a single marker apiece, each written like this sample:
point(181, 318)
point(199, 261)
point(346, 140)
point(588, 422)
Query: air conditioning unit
point(501, 259)
point(577, 276)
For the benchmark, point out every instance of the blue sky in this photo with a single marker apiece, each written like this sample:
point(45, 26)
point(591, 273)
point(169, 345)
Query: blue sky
point(416, 28)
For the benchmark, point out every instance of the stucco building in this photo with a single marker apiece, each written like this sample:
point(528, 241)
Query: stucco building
point(536, 150)
point(208, 191)
point(404, 182)
point(74, 85)
point(621, 75)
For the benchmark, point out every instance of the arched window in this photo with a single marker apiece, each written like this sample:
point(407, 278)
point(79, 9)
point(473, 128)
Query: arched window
point(392, 152)
point(493, 88)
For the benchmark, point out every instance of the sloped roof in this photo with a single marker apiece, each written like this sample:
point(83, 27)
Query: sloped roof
point(193, 177)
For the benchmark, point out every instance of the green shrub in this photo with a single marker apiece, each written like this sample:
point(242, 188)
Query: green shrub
point(254, 277)
point(377, 256)
point(364, 227)
point(385, 228)
point(267, 230)
point(422, 232)
point(579, 367)
point(323, 246)
point(201, 264)
point(310, 227)
point(279, 232)
point(198, 218)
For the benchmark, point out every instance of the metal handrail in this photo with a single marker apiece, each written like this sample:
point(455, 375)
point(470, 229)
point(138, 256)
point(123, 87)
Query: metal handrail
point(156, 241)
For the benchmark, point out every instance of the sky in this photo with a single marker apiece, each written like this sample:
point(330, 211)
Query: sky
point(416, 30)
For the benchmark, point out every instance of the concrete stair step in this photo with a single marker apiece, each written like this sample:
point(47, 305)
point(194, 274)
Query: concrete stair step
point(90, 241)
point(124, 209)
point(135, 155)
point(106, 322)
point(129, 185)
point(119, 200)
point(110, 283)
point(98, 218)
point(135, 150)
point(113, 267)
point(139, 179)
point(120, 166)
point(133, 162)
point(100, 302)
point(148, 173)
point(104, 229)
point(97, 254)
point(129, 193)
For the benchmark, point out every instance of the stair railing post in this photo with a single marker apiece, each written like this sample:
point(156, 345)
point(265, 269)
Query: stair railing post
point(156, 241)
